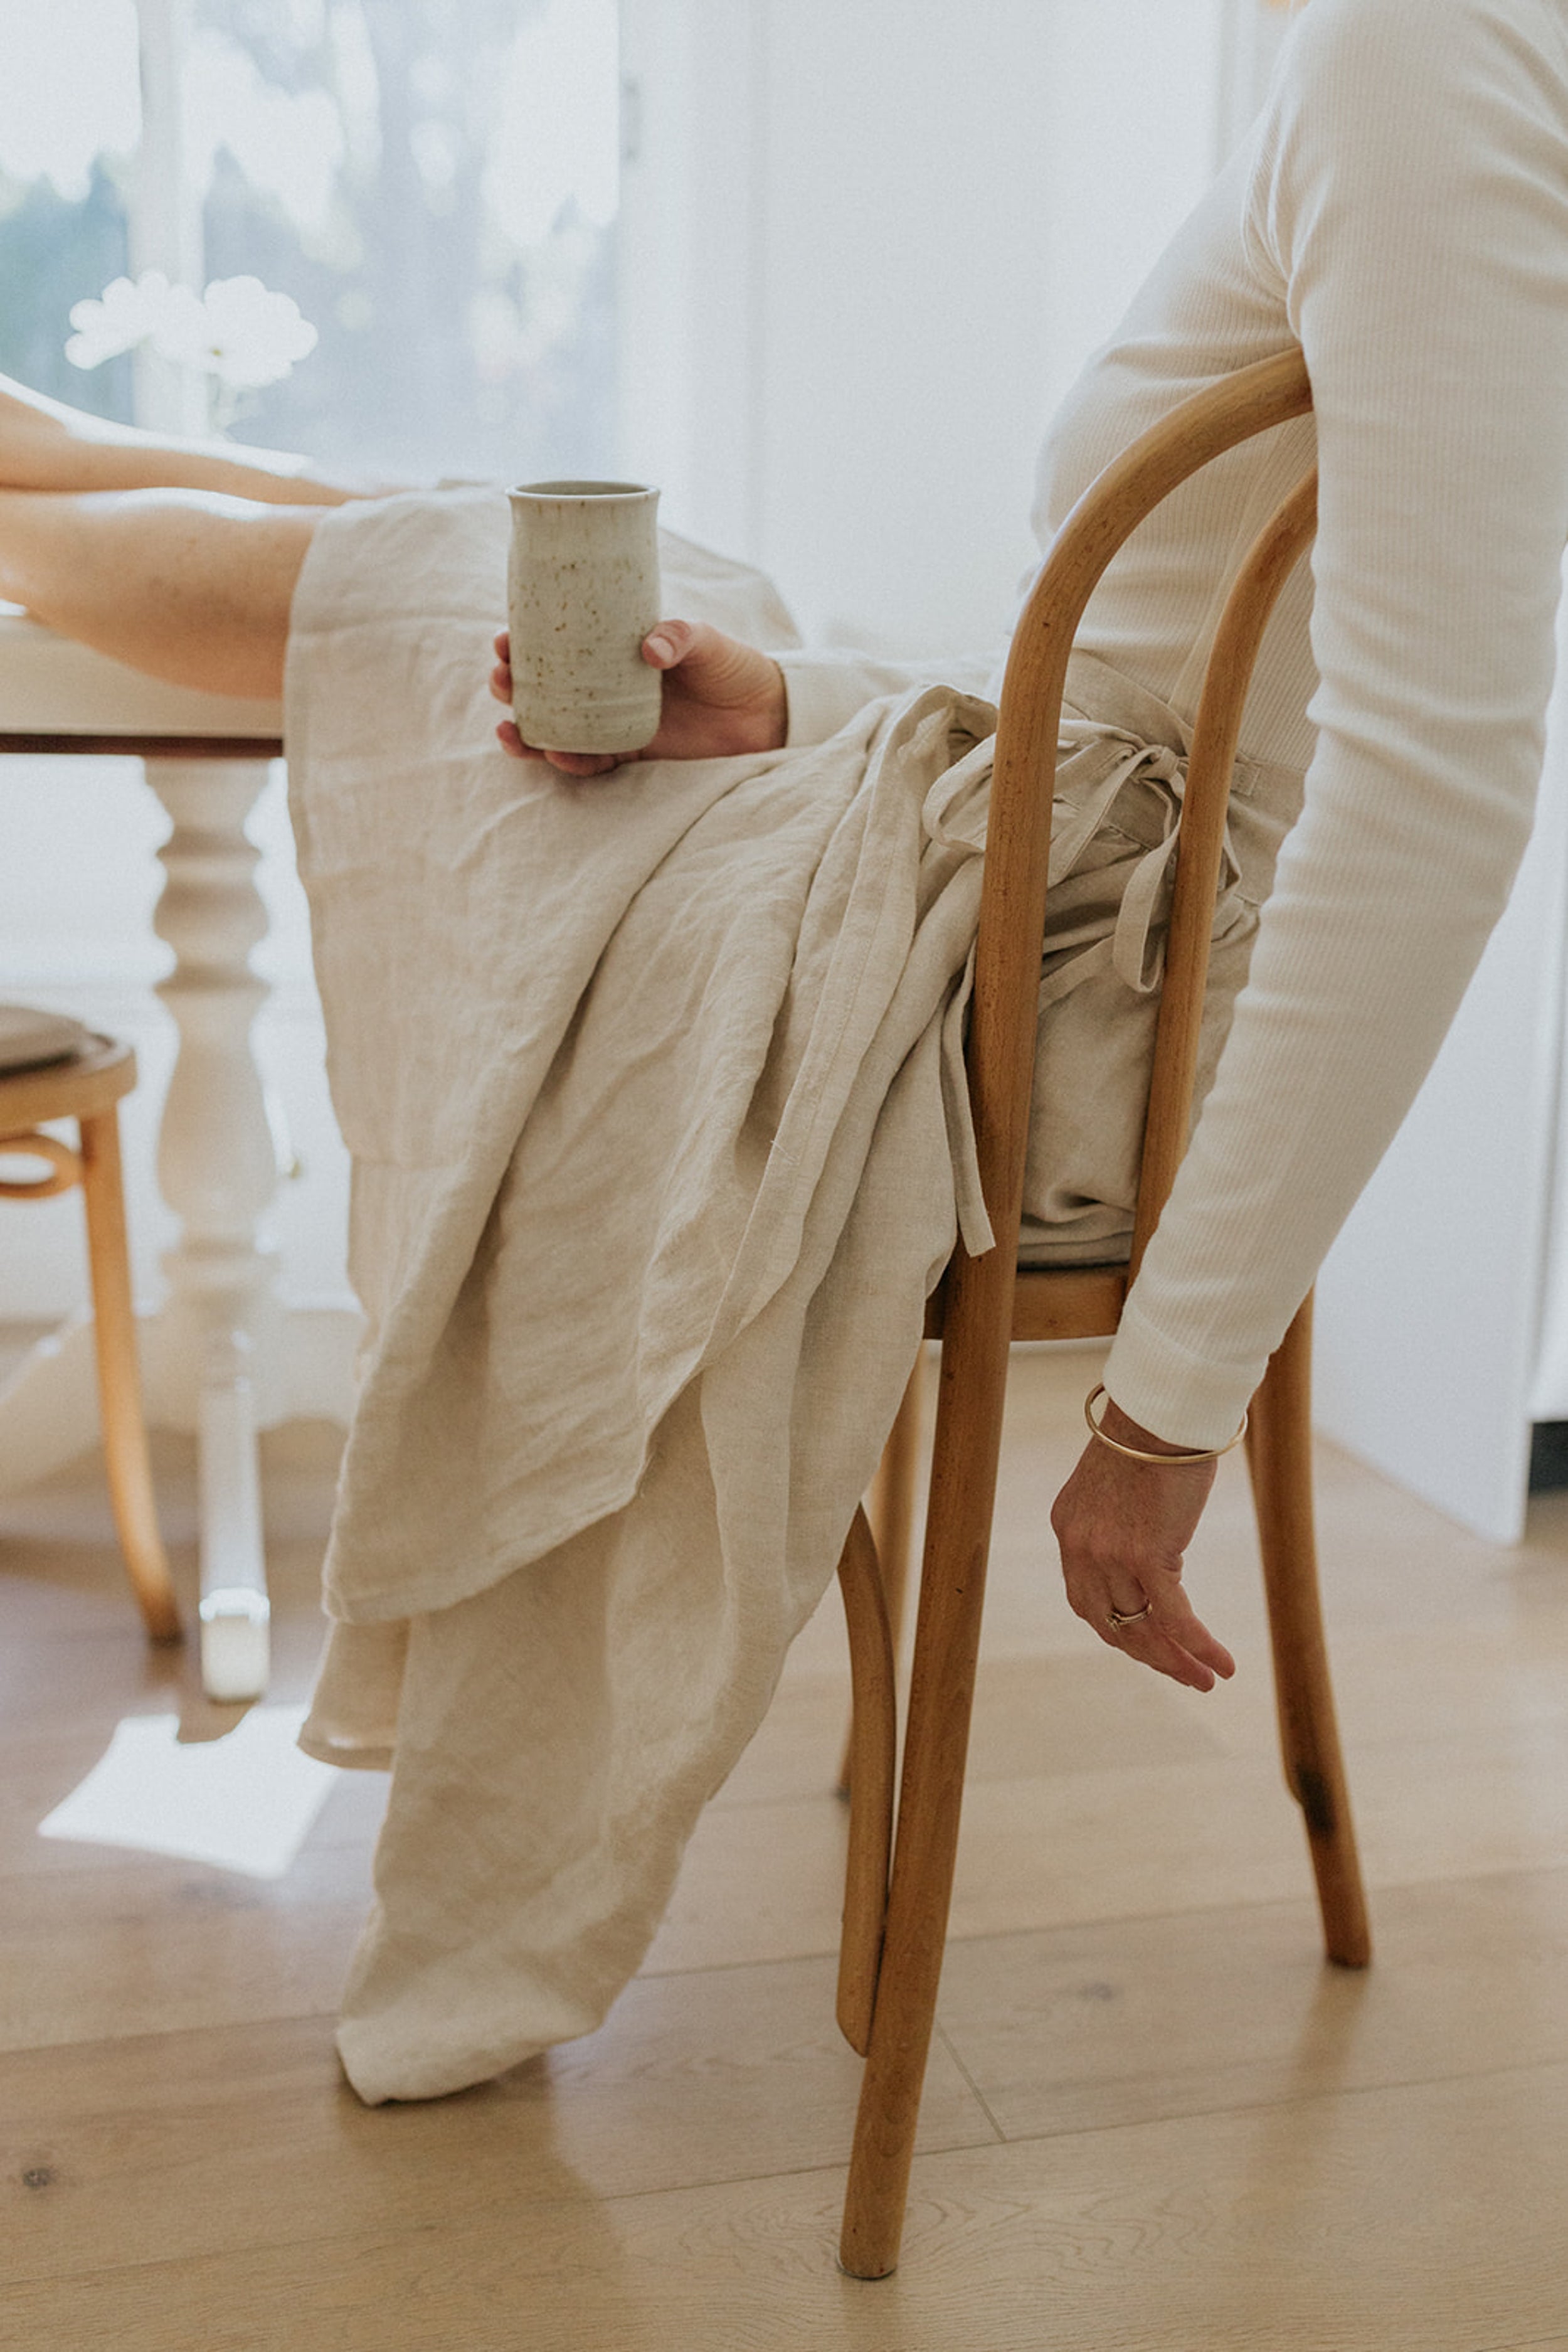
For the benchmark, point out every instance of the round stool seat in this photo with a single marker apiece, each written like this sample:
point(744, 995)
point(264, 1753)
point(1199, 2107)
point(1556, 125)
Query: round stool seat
point(79, 1088)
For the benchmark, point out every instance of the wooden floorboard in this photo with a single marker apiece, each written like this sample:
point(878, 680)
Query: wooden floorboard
point(1324, 2226)
point(694, 2081)
point(1155, 2121)
point(1083, 2028)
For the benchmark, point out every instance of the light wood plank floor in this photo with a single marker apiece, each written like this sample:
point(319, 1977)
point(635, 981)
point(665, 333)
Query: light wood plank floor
point(1154, 2121)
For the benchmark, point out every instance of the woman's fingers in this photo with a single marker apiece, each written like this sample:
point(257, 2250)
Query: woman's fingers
point(568, 763)
point(716, 667)
point(1167, 1658)
point(579, 764)
point(1172, 1638)
point(669, 643)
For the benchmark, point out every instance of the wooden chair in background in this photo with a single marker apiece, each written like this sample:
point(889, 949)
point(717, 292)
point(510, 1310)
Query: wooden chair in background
point(87, 1089)
point(895, 1920)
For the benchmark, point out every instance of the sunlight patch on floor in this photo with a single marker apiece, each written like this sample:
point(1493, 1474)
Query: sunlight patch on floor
point(245, 1803)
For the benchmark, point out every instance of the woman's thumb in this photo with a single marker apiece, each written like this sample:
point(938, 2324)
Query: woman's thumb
point(668, 644)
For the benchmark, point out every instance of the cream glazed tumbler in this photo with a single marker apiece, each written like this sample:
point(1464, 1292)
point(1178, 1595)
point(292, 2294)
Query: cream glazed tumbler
point(582, 592)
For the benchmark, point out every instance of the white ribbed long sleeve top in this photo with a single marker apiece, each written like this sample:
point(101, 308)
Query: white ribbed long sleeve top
point(1401, 211)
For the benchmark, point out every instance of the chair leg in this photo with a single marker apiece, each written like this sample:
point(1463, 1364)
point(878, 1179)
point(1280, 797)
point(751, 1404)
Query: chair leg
point(873, 1739)
point(119, 1380)
point(1278, 1453)
point(946, 1645)
point(891, 1511)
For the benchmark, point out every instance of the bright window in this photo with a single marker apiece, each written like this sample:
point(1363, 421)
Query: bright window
point(435, 182)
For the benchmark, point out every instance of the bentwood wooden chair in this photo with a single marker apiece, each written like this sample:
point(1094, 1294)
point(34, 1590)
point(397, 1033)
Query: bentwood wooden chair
point(895, 1921)
point(87, 1088)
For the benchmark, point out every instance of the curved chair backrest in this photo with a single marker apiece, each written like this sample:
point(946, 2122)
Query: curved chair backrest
point(894, 1928)
point(1012, 909)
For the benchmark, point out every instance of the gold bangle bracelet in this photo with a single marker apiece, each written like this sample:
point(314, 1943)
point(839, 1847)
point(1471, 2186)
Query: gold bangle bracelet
point(1136, 1453)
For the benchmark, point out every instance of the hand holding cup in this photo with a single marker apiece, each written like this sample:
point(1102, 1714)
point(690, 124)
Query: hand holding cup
point(719, 695)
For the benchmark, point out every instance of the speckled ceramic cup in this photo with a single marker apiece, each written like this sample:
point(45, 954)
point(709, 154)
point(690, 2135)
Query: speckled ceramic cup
point(582, 592)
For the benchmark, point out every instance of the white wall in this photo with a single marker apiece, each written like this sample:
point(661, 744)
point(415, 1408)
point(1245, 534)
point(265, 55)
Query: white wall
point(1442, 1322)
point(955, 219)
point(911, 225)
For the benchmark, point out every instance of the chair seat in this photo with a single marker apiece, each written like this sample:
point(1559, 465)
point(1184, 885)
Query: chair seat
point(31, 1039)
point(1057, 1302)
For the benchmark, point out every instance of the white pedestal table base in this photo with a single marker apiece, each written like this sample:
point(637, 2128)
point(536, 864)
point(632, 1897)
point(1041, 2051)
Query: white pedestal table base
point(225, 1357)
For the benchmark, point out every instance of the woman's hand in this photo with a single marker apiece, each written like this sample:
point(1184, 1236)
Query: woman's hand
point(719, 697)
point(1123, 1527)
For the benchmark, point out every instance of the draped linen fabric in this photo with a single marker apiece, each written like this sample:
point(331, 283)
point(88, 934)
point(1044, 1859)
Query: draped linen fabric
point(653, 1089)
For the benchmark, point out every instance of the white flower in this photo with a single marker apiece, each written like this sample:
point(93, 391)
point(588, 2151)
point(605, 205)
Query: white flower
point(123, 316)
point(238, 332)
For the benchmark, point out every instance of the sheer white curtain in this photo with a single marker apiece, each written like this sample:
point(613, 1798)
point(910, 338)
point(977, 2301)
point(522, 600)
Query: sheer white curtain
point(435, 182)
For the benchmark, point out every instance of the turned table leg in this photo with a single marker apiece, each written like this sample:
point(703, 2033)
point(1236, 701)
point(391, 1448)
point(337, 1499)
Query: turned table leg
point(218, 1169)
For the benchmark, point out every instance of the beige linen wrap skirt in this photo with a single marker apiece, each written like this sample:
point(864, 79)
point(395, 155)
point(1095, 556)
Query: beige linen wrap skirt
point(654, 1091)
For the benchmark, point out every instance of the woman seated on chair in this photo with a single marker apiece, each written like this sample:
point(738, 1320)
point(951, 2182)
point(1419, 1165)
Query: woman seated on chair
point(1402, 213)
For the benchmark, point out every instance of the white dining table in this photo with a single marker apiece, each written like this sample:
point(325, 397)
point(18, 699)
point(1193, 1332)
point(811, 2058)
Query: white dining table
point(223, 1355)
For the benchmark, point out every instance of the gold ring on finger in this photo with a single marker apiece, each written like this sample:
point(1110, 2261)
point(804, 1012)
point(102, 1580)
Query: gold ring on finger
point(1117, 1618)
